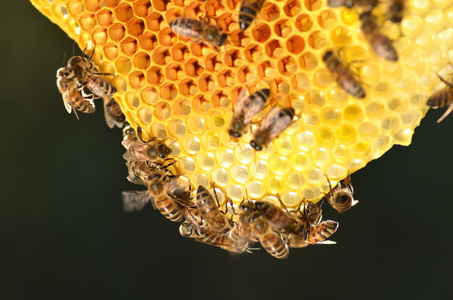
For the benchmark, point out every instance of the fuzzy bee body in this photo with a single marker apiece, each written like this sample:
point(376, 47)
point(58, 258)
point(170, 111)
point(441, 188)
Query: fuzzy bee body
point(199, 31)
point(248, 11)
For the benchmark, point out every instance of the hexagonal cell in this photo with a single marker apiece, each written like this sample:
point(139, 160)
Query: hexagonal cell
point(292, 8)
point(111, 3)
point(274, 49)
point(308, 61)
point(200, 49)
point(269, 12)
point(132, 100)
point(346, 134)
point(295, 44)
point(313, 5)
point(195, 124)
point(117, 32)
point(135, 27)
point(248, 75)
point(167, 37)
point(149, 95)
point(317, 40)
point(200, 104)
point(220, 99)
point(75, 7)
point(304, 22)
point(174, 71)
point(207, 83)
point(341, 36)
point(181, 107)
point(155, 76)
point(205, 161)
point(225, 21)
point(187, 87)
point(331, 115)
point(233, 58)
point(287, 65)
point(325, 136)
point(283, 28)
point(120, 83)
point(87, 21)
point(145, 115)
point(327, 19)
point(160, 5)
point(161, 56)
point(168, 91)
point(226, 78)
point(60, 11)
point(154, 21)
point(142, 60)
point(137, 80)
point(129, 46)
point(142, 8)
point(162, 110)
point(148, 41)
point(213, 62)
point(261, 33)
point(123, 65)
point(176, 127)
point(92, 5)
point(267, 69)
point(220, 177)
point(124, 12)
point(105, 17)
point(99, 36)
point(301, 82)
point(239, 38)
point(210, 141)
point(253, 53)
point(180, 52)
point(280, 85)
point(193, 68)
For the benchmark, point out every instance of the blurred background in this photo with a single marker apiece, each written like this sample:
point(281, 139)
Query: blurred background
point(63, 233)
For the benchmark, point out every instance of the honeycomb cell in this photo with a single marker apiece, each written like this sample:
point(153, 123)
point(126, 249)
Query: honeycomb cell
point(274, 49)
point(282, 28)
point(280, 85)
point(279, 165)
point(311, 194)
point(187, 87)
point(205, 161)
point(137, 80)
point(210, 141)
point(308, 61)
point(341, 37)
point(220, 100)
point(149, 95)
point(301, 82)
point(142, 8)
point(239, 38)
point(142, 60)
point(226, 78)
point(87, 21)
point(180, 52)
point(129, 46)
point(177, 128)
point(240, 174)
point(200, 104)
point(155, 76)
point(346, 134)
point(327, 19)
point(147, 41)
point(120, 83)
point(162, 110)
point(331, 115)
point(270, 12)
point(253, 53)
point(135, 27)
point(75, 7)
point(186, 164)
point(295, 44)
point(132, 100)
point(325, 136)
point(168, 91)
point(244, 154)
point(255, 189)
point(248, 75)
point(195, 124)
point(145, 115)
point(292, 8)
point(295, 181)
point(181, 107)
point(235, 192)
point(274, 184)
point(112, 3)
point(225, 21)
point(313, 5)
point(193, 68)
point(220, 177)
point(213, 63)
point(161, 56)
point(234, 58)
point(317, 40)
point(166, 37)
point(116, 32)
point(304, 23)
point(92, 5)
point(287, 65)
point(225, 157)
point(154, 21)
point(99, 36)
point(124, 12)
point(123, 65)
point(261, 33)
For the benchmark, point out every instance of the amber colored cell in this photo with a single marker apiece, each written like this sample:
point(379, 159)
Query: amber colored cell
point(148, 41)
point(129, 46)
point(154, 21)
point(99, 36)
point(75, 7)
point(124, 12)
point(167, 37)
point(313, 5)
point(162, 110)
point(225, 21)
point(287, 65)
point(92, 5)
point(261, 33)
point(142, 60)
point(300, 82)
point(123, 65)
point(295, 44)
point(116, 32)
point(317, 40)
point(110, 51)
point(174, 71)
point(327, 19)
point(200, 104)
point(161, 56)
point(145, 115)
point(248, 75)
point(282, 28)
point(239, 38)
point(142, 8)
point(253, 53)
point(308, 61)
point(132, 100)
point(160, 5)
point(168, 91)
point(267, 69)
point(105, 17)
point(180, 52)
point(274, 49)
point(226, 78)
point(233, 58)
point(292, 8)
point(270, 12)
point(187, 87)
point(155, 76)
point(181, 107)
point(193, 68)
point(87, 21)
point(149, 95)
point(304, 22)
point(220, 99)
point(112, 3)
point(137, 80)
point(213, 62)
point(207, 83)
point(135, 27)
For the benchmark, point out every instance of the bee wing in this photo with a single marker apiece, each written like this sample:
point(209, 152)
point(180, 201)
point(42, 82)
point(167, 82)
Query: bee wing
point(276, 122)
point(132, 177)
point(108, 118)
point(240, 103)
point(134, 200)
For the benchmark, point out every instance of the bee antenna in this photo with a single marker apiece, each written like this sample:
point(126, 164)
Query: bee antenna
point(64, 57)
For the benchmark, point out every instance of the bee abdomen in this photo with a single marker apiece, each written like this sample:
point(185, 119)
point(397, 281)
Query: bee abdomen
point(169, 209)
point(441, 98)
point(248, 12)
point(274, 244)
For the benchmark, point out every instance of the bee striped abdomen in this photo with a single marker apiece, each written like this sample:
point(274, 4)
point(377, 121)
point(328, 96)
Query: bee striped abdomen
point(248, 11)
point(441, 98)
point(169, 208)
point(274, 244)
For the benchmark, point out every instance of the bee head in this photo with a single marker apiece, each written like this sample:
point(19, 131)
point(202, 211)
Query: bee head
point(234, 133)
point(327, 55)
point(164, 151)
point(222, 40)
point(74, 61)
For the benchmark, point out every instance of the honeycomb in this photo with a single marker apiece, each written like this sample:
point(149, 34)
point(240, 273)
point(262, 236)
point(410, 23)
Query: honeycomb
point(183, 92)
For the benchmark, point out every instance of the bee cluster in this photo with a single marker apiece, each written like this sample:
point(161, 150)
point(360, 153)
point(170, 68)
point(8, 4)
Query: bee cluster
point(275, 228)
point(79, 74)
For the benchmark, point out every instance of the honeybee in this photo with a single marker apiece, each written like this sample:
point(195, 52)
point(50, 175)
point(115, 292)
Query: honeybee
point(396, 10)
point(209, 209)
point(340, 198)
point(74, 97)
point(277, 217)
point(312, 212)
point(442, 98)
point(275, 122)
point(245, 109)
point(381, 44)
point(88, 76)
point(241, 233)
point(112, 112)
point(342, 75)
point(168, 207)
point(129, 135)
point(271, 240)
point(248, 11)
point(199, 31)
point(318, 234)
point(366, 4)
point(140, 172)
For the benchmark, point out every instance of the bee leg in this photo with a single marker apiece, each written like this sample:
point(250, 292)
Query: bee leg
point(347, 182)
point(446, 113)
point(444, 81)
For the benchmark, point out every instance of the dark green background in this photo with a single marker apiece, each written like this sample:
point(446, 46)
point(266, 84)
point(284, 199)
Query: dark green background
point(63, 234)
